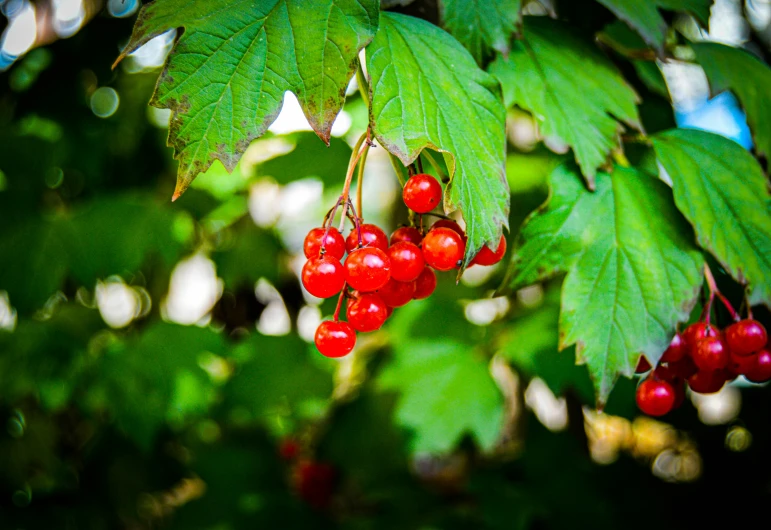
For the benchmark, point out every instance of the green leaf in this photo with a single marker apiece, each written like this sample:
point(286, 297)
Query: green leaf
point(646, 19)
point(427, 91)
point(445, 391)
point(746, 76)
point(226, 76)
point(633, 271)
point(574, 92)
point(481, 24)
point(721, 190)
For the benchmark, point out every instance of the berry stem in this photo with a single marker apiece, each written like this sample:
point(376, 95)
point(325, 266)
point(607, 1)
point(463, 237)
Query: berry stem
point(434, 164)
point(358, 150)
point(714, 291)
point(360, 184)
point(440, 215)
point(420, 164)
point(336, 316)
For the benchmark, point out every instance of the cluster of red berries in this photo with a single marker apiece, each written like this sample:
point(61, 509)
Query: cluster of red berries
point(704, 358)
point(382, 272)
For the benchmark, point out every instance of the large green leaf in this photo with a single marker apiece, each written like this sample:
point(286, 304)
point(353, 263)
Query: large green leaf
point(481, 24)
point(574, 92)
point(227, 74)
point(647, 20)
point(446, 391)
point(633, 271)
point(721, 190)
point(427, 91)
point(748, 77)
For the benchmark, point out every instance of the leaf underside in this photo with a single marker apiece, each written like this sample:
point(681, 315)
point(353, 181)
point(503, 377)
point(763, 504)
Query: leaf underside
point(443, 101)
point(574, 92)
point(632, 269)
point(722, 191)
point(226, 76)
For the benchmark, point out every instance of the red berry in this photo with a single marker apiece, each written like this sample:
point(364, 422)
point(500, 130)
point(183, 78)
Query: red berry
point(396, 294)
point(371, 236)
point(452, 225)
point(761, 372)
point(679, 387)
point(488, 257)
point(323, 277)
point(334, 243)
point(746, 337)
point(406, 261)
point(710, 353)
point(406, 233)
point(390, 311)
point(367, 313)
point(675, 351)
point(422, 193)
point(315, 482)
point(443, 249)
point(367, 269)
point(705, 382)
point(684, 368)
point(655, 398)
point(665, 373)
point(335, 339)
point(741, 364)
point(425, 284)
point(695, 332)
point(642, 365)
point(289, 448)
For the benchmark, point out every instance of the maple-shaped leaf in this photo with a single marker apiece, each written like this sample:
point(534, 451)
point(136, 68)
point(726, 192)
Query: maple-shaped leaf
point(421, 97)
point(481, 25)
point(226, 76)
point(574, 91)
point(632, 269)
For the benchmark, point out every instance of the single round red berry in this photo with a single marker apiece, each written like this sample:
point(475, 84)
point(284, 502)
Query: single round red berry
point(705, 382)
point(425, 284)
point(761, 371)
point(371, 236)
point(406, 261)
point(367, 312)
point(335, 339)
point(422, 193)
point(396, 294)
point(742, 364)
point(323, 277)
point(695, 332)
point(642, 365)
point(684, 368)
point(710, 353)
point(655, 398)
point(452, 225)
point(333, 244)
point(746, 337)
point(679, 387)
point(443, 249)
point(367, 269)
point(675, 351)
point(488, 257)
point(406, 233)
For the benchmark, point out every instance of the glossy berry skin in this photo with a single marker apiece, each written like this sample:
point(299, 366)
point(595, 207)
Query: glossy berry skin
point(425, 284)
point(707, 382)
point(367, 269)
point(406, 261)
point(761, 371)
point(367, 313)
point(406, 233)
point(642, 366)
point(397, 294)
point(710, 353)
point(422, 193)
point(334, 244)
point(335, 339)
point(746, 337)
point(452, 225)
point(665, 373)
point(684, 368)
point(488, 257)
point(695, 332)
point(742, 364)
point(323, 277)
point(675, 351)
point(371, 236)
point(655, 398)
point(443, 249)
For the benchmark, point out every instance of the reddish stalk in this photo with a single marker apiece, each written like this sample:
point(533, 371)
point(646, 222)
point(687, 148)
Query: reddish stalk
point(359, 151)
point(714, 291)
point(336, 316)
